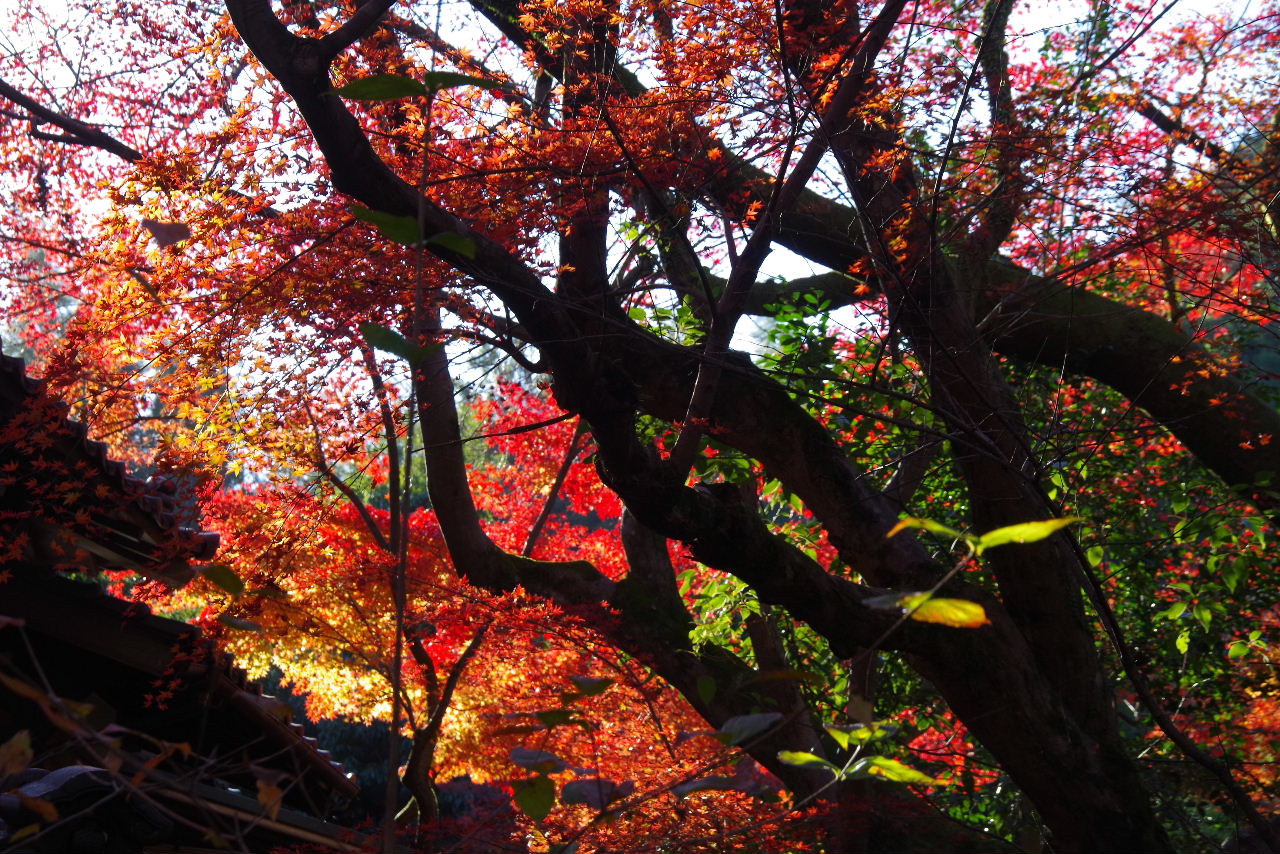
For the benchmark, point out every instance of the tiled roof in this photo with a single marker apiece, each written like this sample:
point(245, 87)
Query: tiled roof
point(56, 480)
point(207, 700)
point(64, 501)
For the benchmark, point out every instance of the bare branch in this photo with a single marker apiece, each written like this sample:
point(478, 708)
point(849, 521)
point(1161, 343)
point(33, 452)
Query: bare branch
point(736, 291)
point(391, 436)
point(553, 495)
point(342, 486)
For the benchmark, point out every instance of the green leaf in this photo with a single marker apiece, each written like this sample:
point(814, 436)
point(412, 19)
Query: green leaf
point(1203, 614)
point(401, 229)
point(588, 686)
point(892, 769)
point(237, 623)
point(1026, 532)
point(1174, 611)
point(1183, 533)
point(1094, 554)
point(857, 734)
point(924, 524)
point(464, 246)
point(24, 832)
point(535, 796)
point(840, 734)
point(1234, 574)
point(595, 793)
point(801, 759)
point(406, 230)
point(923, 607)
point(382, 87)
point(388, 340)
point(706, 689)
point(16, 753)
point(552, 718)
point(740, 728)
point(1183, 641)
point(1259, 531)
point(436, 81)
point(1238, 649)
point(537, 760)
point(225, 577)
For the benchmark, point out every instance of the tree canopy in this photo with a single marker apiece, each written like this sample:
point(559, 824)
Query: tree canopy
point(887, 389)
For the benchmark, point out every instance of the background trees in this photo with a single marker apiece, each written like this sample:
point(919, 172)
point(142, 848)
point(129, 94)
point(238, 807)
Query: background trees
point(1041, 286)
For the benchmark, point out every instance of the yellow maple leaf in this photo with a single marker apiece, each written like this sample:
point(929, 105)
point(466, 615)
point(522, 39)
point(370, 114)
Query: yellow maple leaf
point(960, 613)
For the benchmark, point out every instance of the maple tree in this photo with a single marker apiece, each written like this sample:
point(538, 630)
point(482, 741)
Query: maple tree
point(1047, 292)
point(487, 679)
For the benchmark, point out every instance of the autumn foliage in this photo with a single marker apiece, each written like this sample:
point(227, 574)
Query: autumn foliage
point(441, 316)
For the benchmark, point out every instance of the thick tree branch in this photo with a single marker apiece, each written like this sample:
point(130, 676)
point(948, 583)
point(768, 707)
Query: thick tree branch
point(82, 133)
point(933, 308)
point(301, 67)
point(476, 556)
point(912, 468)
point(833, 290)
point(1046, 322)
point(417, 774)
point(649, 598)
point(824, 231)
point(77, 131)
point(362, 22)
point(1154, 364)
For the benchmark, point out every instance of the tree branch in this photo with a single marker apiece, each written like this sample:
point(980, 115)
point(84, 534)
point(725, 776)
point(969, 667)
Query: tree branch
point(784, 195)
point(1152, 363)
point(79, 132)
point(553, 494)
point(360, 24)
point(1005, 202)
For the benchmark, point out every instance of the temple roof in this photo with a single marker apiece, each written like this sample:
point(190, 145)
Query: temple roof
point(65, 505)
point(72, 501)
